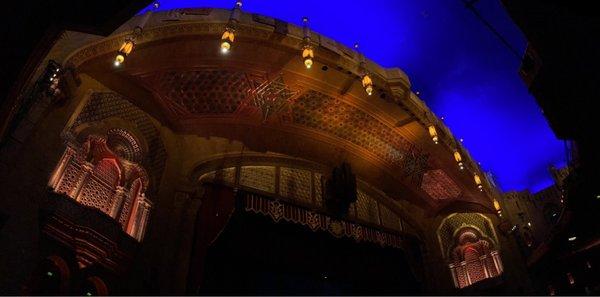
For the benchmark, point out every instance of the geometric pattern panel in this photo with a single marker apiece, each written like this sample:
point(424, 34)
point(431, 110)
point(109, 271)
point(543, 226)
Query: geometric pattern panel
point(331, 115)
point(388, 218)
point(366, 208)
point(202, 92)
point(95, 193)
point(258, 177)
point(438, 185)
point(318, 189)
point(295, 183)
point(70, 178)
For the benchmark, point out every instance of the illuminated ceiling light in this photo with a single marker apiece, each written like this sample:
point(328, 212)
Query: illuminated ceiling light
point(433, 134)
point(124, 51)
point(366, 80)
point(458, 159)
point(367, 84)
point(226, 40)
point(49, 273)
point(478, 182)
point(529, 224)
point(228, 36)
point(308, 53)
point(497, 206)
point(129, 43)
point(573, 238)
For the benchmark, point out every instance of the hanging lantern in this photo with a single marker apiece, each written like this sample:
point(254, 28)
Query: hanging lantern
point(367, 84)
point(497, 206)
point(228, 36)
point(433, 134)
point(125, 50)
point(366, 80)
point(227, 39)
point(458, 159)
point(478, 182)
point(129, 43)
point(308, 53)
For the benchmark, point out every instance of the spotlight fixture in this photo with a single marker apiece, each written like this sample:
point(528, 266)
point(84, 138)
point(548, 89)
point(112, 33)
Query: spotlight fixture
point(433, 134)
point(308, 53)
point(366, 80)
point(228, 36)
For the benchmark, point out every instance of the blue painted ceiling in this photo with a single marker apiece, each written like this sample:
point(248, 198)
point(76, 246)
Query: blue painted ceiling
point(463, 72)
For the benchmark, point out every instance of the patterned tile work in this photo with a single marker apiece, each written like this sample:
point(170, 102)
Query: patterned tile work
point(325, 113)
point(96, 194)
point(318, 189)
point(203, 92)
point(295, 183)
point(438, 185)
point(68, 182)
point(220, 91)
point(366, 208)
point(258, 177)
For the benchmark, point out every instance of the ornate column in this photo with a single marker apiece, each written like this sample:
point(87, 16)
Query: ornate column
point(482, 261)
point(139, 217)
point(143, 219)
point(497, 262)
point(86, 168)
point(117, 201)
point(454, 276)
point(466, 271)
point(59, 171)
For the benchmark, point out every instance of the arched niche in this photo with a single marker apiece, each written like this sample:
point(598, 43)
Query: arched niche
point(470, 247)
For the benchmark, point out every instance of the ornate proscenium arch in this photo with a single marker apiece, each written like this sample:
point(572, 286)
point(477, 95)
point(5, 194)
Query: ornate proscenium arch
point(301, 182)
point(327, 118)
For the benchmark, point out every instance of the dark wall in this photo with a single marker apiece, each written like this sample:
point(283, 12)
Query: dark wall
point(31, 27)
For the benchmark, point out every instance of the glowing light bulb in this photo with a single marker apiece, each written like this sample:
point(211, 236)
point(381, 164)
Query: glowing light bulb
point(367, 84)
point(119, 59)
point(433, 134)
point(225, 46)
point(308, 63)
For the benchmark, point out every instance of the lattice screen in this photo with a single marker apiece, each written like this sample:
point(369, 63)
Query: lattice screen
point(258, 177)
point(366, 208)
point(318, 189)
point(295, 183)
point(96, 194)
point(70, 178)
point(388, 218)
